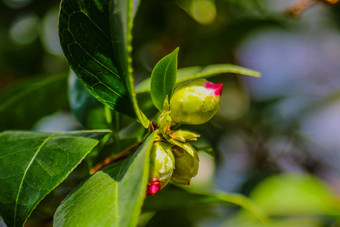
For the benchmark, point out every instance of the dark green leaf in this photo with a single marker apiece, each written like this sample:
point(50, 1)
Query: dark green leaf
point(163, 79)
point(85, 108)
point(22, 106)
point(175, 198)
point(197, 72)
point(112, 197)
point(95, 37)
point(32, 164)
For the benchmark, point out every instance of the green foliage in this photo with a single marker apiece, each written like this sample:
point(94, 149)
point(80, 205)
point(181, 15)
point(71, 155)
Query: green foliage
point(294, 195)
point(112, 197)
point(163, 79)
point(97, 46)
point(176, 198)
point(96, 37)
point(85, 108)
point(198, 72)
point(48, 94)
point(34, 163)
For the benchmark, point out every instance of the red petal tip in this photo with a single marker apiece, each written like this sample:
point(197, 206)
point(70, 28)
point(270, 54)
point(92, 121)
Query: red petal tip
point(216, 87)
point(153, 187)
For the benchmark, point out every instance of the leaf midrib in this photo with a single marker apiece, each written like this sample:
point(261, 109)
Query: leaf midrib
point(26, 170)
point(116, 192)
point(166, 78)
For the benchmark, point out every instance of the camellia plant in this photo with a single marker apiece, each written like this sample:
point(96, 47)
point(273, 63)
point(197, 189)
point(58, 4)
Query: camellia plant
point(129, 158)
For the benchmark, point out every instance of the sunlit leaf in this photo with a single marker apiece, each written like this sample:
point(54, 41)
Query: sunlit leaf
point(163, 79)
point(111, 197)
point(32, 164)
point(197, 72)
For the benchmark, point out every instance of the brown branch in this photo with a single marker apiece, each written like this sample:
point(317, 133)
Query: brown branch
point(116, 158)
point(299, 6)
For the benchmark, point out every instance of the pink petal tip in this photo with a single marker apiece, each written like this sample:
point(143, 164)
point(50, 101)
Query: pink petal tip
point(216, 87)
point(153, 187)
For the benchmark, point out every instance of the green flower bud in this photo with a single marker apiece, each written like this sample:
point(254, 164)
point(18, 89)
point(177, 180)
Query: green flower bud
point(186, 163)
point(184, 136)
point(162, 164)
point(195, 102)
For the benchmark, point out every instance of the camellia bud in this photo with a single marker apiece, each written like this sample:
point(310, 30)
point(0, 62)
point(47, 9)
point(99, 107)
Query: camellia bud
point(186, 164)
point(162, 164)
point(195, 102)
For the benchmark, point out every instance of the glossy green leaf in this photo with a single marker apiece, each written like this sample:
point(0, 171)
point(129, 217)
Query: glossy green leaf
point(197, 72)
point(85, 108)
point(122, 13)
point(163, 79)
point(23, 105)
point(112, 197)
point(95, 37)
point(33, 163)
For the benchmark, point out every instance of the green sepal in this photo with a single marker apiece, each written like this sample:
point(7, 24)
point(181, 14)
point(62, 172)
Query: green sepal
point(164, 122)
point(184, 136)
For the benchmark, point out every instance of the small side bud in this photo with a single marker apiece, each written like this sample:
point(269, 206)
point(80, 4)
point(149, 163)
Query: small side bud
point(195, 102)
point(186, 164)
point(164, 122)
point(162, 164)
point(184, 136)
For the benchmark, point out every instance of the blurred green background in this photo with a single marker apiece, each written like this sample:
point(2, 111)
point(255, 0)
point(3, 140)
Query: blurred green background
point(276, 138)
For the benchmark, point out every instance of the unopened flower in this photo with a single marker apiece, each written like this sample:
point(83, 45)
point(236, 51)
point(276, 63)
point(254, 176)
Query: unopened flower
point(162, 164)
point(186, 163)
point(195, 102)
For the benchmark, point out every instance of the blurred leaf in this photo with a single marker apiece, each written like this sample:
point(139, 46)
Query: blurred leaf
point(26, 103)
point(163, 79)
point(32, 164)
point(295, 194)
point(112, 148)
point(197, 72)
point(174, 198)
point(85, 108)
point(95, 37)
point(112, 197)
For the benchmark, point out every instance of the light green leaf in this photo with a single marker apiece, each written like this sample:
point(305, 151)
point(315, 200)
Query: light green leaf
point(32, 164)
point(295, 194)
point(197, 72)
point(18, 111)
point(112, 197)
point(163, 79)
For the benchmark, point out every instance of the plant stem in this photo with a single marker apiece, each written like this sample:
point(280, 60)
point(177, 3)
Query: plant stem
point(116, 158)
